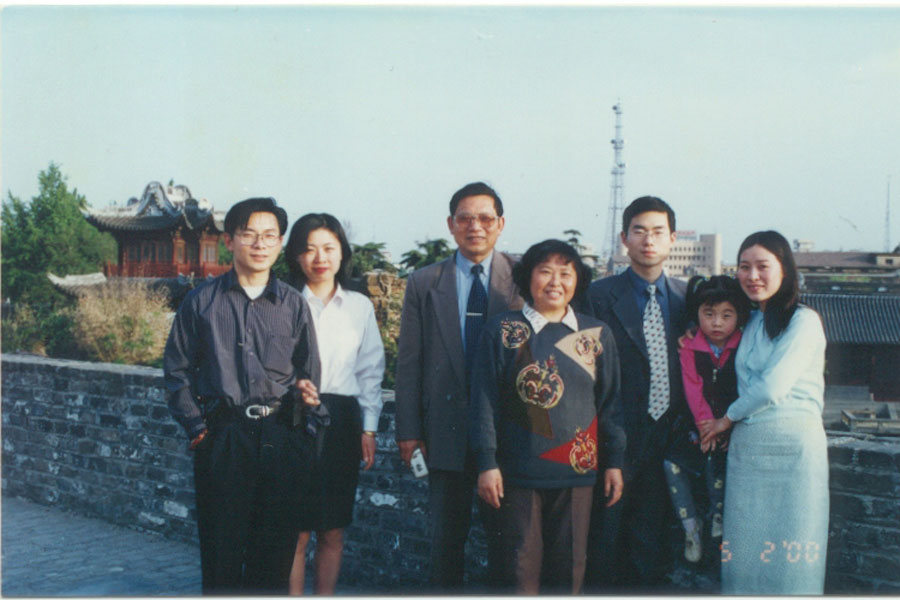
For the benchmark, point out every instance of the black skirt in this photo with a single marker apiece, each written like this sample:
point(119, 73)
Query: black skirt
point(336, 472)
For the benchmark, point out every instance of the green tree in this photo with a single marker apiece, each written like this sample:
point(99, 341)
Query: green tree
point(225, 255)
point(368, 257)
point(426, 253)
point(48, 234)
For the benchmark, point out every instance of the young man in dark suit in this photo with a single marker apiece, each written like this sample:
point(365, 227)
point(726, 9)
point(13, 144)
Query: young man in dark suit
point(444, 309)
point(628, 544)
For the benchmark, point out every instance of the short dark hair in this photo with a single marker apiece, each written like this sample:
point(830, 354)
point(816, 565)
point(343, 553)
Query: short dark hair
point(478, 188)
point(299, 238)
point(703, 291)
point(239, 215)
point(540, 252)
point(647, 204)
point(782, 305)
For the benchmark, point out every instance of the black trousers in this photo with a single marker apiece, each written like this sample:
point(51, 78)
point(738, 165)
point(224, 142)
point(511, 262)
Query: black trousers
point(250, 476)
point(629, 542)
point(451, 495)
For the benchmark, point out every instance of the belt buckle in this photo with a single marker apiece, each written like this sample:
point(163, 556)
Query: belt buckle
point(257, 411)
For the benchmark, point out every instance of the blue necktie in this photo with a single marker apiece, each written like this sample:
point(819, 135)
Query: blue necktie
point(476, 311)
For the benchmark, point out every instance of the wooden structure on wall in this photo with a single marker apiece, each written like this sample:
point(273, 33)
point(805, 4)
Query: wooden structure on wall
point(165, 233)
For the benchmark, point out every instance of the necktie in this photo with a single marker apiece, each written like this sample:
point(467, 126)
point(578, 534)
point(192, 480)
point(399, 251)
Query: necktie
point(476, 311)
point(655, 337)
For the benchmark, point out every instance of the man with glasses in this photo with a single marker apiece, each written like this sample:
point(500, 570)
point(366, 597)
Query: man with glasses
point(644, 308)
point(444, 310)
point(238, 345)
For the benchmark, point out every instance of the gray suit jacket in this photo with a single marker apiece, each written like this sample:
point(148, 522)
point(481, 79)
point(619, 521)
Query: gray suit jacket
point(612, 300)
point(431, 399)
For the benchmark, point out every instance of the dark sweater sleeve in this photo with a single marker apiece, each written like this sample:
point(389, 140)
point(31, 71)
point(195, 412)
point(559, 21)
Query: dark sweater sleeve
point(609, 402)
point(484, 399)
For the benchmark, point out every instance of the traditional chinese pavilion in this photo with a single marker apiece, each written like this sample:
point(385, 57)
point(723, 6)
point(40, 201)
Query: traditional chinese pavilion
point(165, 233)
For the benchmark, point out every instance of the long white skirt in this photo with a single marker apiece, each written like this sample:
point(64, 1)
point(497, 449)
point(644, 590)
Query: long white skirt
point(776, 508)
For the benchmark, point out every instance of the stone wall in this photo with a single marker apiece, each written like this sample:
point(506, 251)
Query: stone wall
point(98, 439)
point(864, 533)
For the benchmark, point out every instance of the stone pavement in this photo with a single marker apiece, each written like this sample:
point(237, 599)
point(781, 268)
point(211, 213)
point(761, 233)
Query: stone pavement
point(47, 551)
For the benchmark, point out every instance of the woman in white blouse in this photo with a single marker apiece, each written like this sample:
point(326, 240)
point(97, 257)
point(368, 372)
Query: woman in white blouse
point(352, 356)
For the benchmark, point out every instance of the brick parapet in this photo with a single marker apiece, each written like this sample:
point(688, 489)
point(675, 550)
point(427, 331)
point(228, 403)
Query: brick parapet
point(98, 439)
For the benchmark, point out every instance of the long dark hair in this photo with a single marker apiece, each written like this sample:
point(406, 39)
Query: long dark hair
point(782, 305)
point(703, 291)
point(300, 237)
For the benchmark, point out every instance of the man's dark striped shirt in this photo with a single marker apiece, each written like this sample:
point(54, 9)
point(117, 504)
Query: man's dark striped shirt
point(225, 345)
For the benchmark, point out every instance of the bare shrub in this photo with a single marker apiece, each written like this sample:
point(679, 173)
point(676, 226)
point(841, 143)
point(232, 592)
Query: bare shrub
point(22, 331)
point(123, 322)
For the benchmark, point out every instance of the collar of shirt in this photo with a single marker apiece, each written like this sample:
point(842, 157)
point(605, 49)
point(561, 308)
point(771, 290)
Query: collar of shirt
point(464, 266)
point(464, 280)
point(271, 291)
point(639, 285)
point(538, 321)
point(316, 303)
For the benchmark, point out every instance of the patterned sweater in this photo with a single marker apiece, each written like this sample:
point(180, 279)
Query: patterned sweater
point(538, 399)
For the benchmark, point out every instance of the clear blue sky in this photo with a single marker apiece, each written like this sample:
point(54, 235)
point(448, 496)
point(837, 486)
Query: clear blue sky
point(742, 119)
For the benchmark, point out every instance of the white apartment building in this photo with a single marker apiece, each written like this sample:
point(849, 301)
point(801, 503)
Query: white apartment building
point(695, 254)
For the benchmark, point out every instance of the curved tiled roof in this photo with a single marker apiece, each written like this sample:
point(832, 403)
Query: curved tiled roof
point(858, 319)
point(132, 222)
point(157, 212)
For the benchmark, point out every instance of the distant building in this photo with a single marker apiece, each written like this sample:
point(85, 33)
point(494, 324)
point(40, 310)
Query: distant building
point(165, 233)
point(691, 254)
point(863, 334)
point(803, 245)
point(849, 272)
point(695, 254)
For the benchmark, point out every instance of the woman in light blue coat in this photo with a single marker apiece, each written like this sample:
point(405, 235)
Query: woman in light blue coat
point(776, 503)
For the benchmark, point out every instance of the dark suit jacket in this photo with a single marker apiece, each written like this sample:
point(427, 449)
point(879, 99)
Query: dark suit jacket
point(612, 300)
point(431, 398)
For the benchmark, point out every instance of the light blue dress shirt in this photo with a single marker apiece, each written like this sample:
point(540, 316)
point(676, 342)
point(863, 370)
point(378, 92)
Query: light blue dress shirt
point(784, 376)
point(464, 279)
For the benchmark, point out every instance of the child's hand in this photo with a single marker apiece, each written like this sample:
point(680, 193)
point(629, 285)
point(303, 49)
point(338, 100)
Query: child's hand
point(705, 447)
point(688, 335)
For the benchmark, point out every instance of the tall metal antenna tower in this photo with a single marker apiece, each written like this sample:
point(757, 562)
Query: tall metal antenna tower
point(617, 187)
point(887, 218)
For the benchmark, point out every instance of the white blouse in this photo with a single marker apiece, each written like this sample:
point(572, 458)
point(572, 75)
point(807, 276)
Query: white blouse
point(350, 350)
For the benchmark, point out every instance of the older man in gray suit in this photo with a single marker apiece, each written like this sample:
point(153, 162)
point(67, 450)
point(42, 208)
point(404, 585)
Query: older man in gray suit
point(445, 307)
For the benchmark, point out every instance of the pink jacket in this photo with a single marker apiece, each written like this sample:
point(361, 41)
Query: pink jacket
point(693, 383)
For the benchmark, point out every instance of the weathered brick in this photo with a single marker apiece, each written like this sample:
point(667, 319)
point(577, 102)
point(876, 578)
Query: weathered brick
point(110, 420)
point(872, 483)
point(887, 510)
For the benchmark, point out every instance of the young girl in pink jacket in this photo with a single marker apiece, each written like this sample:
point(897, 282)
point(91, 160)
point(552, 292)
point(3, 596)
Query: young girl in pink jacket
point(710, 385)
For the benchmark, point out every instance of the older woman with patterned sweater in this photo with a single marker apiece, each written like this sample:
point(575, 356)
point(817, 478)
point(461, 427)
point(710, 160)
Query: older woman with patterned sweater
point(545, 382)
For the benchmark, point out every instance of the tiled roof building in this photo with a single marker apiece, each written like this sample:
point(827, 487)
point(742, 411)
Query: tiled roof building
point(849, 272)
point(858, 319)
point(165, 233)
point(863, 333)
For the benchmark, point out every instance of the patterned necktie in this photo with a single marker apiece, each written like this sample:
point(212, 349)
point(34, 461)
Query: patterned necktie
point(655, 337)
point(476, 311)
